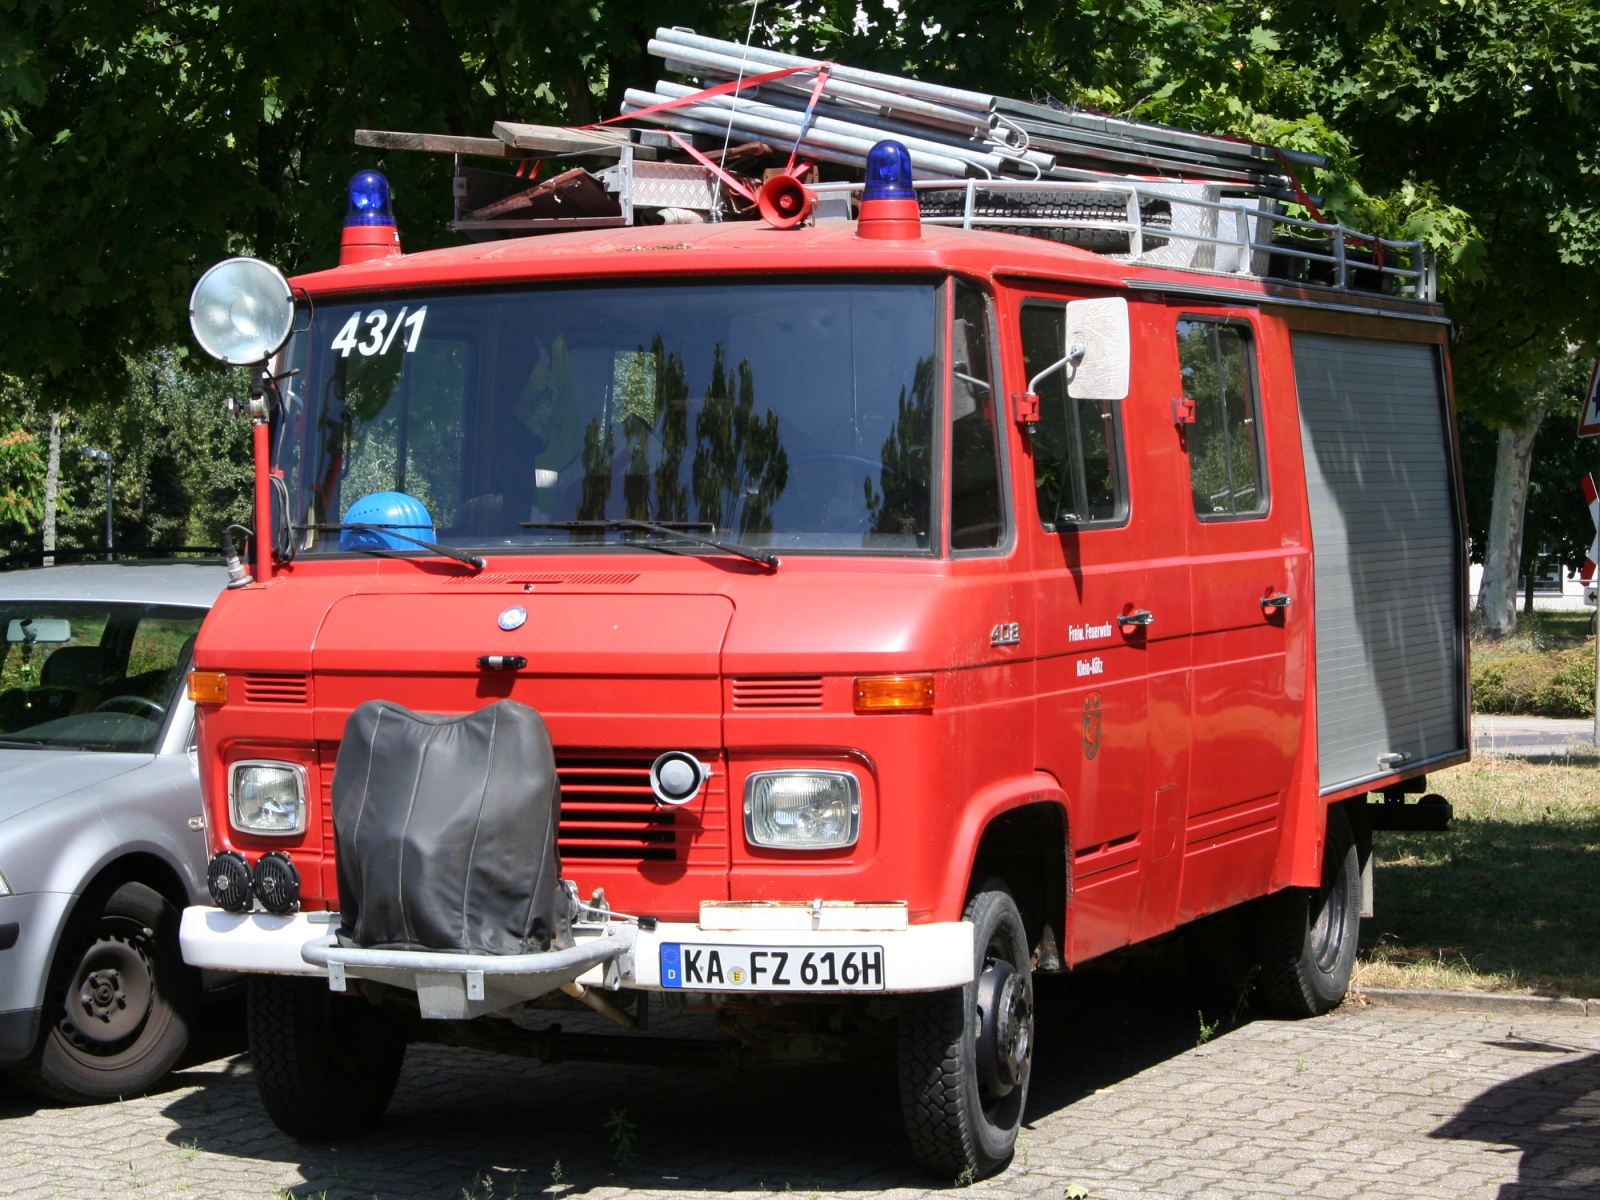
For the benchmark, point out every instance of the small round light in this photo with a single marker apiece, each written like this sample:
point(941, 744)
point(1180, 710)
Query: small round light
point(888, 173)
point(228, 880)
point(369, 200)
point(677, 777)
point(241, 311)
point(277, 883)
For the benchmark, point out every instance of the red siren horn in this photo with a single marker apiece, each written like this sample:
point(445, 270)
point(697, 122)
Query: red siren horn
point(785, 202)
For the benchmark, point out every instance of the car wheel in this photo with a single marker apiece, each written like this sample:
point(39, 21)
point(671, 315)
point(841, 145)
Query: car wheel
point(119, 1004)
point(325, 1064)
point(966, 1054)
point(1307, 937)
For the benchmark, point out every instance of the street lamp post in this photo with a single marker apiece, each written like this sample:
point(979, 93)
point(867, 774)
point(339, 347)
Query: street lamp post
point(105, 457)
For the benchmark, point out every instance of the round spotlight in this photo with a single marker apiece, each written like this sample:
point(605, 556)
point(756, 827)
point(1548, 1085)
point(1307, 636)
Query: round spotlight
point(228, 878)
point(277, 883)
point(677, 777)
point(241, 311)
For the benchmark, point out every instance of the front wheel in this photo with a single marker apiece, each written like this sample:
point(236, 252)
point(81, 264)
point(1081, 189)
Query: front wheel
point(325, 1064)
point(1307, 937)
point(965, 1055)
point(119, 1002)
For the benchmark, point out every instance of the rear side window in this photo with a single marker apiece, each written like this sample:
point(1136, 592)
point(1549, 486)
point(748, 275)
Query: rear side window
point(1226, 472)
point(1077, 450)
point(977, 519)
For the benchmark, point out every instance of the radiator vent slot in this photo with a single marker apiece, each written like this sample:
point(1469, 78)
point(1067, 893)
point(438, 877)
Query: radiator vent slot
point(789, 692)
point(277, 689)
point(609, 812)
point(524, 579)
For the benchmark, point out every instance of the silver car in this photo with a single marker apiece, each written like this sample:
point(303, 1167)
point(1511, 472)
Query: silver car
point(102, 837)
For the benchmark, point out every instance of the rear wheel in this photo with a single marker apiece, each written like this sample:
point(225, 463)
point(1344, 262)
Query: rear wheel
point(325, 1064)
point(1307, 937)
point(119, 1003)
point(965, 1055)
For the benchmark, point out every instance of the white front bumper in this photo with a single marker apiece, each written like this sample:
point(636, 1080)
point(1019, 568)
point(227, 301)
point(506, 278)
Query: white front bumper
point(918, 958)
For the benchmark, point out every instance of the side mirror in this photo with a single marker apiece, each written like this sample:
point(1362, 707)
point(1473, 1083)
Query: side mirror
point(1101, 328)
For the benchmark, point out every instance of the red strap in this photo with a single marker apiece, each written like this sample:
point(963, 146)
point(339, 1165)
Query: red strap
point(1299, 192)
point(721, 89)
point(732, 183)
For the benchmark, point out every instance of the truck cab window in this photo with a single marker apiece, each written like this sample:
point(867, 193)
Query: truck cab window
point(1077, 451)
point(1226, 473)
point(977, 520)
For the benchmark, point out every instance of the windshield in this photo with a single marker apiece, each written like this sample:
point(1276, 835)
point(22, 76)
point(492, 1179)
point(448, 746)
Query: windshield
point(788, 415)
point(91, 676)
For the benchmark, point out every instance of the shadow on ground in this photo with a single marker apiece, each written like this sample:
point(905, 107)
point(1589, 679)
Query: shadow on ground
point(481, 1125)
point(1551, 1115)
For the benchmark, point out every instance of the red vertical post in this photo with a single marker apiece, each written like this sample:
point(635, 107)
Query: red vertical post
point(260, 434)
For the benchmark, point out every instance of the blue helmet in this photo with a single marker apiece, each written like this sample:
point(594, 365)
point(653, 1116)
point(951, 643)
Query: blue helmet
point(405, 514)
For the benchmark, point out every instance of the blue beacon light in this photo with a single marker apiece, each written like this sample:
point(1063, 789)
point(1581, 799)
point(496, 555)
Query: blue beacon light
point(369, 200)
point(369, 228)
point(889, 210)
point(888, 173)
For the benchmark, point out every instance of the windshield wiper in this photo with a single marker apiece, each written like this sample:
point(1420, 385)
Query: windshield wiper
point(679, 529)
point(461, 556)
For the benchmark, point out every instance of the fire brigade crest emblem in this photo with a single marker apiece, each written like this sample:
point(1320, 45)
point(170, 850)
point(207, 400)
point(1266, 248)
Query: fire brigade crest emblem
point(1091, 724)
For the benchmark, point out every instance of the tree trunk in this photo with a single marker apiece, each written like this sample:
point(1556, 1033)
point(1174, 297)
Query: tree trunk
point(52, 485)
point(1497, 594)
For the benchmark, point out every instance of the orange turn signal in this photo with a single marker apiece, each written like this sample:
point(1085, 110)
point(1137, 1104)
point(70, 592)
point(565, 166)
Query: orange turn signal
point(894, 693)
point(208, 687)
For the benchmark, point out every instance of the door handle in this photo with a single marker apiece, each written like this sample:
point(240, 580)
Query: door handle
point(1276, 600)
point(1139, 617)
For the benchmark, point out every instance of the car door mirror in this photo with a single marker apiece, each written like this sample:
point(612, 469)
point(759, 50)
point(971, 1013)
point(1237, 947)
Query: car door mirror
point(1101, 328)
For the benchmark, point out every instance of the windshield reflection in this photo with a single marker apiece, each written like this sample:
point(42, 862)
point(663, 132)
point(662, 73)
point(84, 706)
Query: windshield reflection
point(790, 415)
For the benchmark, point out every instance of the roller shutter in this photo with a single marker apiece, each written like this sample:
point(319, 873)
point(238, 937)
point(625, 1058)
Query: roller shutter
point(1387, 551)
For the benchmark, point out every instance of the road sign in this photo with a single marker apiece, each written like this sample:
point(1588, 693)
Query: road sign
point(1589, 422)
point(1593, 498)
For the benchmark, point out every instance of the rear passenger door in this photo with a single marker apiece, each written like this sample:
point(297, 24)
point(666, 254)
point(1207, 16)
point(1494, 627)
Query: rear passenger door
point(1244, 595)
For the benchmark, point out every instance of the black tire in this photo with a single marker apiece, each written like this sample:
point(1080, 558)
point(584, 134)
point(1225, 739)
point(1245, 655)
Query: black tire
point(966, 1055)
point(325, 1064)
point(1306, 938)
point(119, 1004)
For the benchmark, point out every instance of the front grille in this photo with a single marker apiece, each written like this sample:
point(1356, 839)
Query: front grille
point(795, 691)
point(608, 810)
point(276, 689)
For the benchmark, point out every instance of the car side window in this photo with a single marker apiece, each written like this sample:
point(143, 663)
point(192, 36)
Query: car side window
point(1077, 446)
point(1226, 473)
point(977, 516)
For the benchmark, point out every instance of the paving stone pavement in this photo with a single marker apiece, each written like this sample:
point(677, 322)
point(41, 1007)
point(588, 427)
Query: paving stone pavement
point(1365, 1102)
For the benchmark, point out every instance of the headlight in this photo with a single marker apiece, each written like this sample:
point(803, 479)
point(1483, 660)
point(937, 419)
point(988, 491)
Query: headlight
point(802, 810)
point(267, 797)
point(241, 311)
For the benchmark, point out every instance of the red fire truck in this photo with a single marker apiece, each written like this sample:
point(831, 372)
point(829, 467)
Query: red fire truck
point(914, 607)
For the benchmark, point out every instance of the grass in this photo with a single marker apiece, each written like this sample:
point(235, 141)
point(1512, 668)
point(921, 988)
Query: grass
point(1505, 901)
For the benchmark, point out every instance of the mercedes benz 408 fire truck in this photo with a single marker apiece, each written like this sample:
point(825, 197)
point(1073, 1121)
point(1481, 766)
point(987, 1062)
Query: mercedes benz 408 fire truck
point(825, 623)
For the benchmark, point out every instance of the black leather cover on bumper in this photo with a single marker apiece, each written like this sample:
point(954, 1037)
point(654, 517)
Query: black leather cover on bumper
point(19, 1029)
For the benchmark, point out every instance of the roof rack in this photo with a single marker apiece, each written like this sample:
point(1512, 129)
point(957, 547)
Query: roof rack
point(1135, 191)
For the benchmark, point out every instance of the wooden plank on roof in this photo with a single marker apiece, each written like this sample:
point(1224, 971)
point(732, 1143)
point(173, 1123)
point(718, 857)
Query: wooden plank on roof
point(438, 143)
point(555, 139)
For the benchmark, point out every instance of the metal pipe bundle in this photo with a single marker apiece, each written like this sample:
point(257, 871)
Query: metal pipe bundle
point(941, 125)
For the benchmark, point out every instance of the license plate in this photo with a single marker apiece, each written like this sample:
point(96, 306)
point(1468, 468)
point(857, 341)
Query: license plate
point(771, 968)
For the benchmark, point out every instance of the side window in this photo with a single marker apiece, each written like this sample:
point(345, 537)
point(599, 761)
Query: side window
point(1077, 447)
point(977, 520)
point(1226, 473)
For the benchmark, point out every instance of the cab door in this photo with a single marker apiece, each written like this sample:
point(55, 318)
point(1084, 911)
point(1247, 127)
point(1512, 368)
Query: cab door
point(1245, 593)
point(1091, 606)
